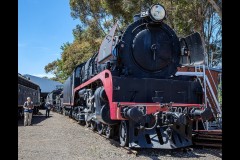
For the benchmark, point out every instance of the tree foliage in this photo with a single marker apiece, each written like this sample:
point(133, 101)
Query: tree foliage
point(97, 17)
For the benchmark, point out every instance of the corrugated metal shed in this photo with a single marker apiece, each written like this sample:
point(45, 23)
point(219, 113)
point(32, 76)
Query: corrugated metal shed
point(46, 85)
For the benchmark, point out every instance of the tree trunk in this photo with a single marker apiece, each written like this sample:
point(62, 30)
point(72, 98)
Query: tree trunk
point(216, 7)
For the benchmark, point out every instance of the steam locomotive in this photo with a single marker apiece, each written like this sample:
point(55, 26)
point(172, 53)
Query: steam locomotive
point(54, 98)
point(129, 88)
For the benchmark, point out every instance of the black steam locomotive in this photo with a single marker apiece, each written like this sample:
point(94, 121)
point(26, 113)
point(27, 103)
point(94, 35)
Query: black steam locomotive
point(129, 88)
point(54, 98)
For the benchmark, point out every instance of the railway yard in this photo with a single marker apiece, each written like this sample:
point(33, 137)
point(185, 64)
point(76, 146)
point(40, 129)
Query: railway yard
point(61, 138)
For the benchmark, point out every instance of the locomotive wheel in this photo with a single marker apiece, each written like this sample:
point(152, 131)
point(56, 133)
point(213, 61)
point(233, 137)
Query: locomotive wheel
point(109, 132)
point(93, 126)
point(100, 128)
point(123, 133)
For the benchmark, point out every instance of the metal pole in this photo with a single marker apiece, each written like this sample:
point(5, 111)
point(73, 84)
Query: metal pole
point(205, 89)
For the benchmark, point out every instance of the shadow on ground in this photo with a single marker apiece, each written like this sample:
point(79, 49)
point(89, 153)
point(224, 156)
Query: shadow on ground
point(155, 154)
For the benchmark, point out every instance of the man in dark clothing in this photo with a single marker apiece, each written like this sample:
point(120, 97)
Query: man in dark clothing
point(48, 108)
point(28, 109)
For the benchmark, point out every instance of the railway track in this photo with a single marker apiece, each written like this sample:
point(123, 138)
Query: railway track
point(208, 138)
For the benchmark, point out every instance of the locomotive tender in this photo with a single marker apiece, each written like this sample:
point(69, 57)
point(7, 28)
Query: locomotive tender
point(129, 88)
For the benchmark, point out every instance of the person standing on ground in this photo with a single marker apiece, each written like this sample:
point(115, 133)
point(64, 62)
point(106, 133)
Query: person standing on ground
point(28, 109)
point(48, 108)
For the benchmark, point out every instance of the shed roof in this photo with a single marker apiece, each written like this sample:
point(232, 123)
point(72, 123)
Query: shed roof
point(46, 85)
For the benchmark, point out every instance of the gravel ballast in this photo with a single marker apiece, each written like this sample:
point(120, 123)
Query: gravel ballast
point(61, 138)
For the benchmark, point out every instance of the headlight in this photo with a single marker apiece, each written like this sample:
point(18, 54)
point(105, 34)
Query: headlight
point(157, 12)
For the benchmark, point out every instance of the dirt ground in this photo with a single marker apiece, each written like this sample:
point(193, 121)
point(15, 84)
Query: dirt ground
point(61, 138)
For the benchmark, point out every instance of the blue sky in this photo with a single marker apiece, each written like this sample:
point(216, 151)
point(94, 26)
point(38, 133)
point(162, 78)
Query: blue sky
point(43, 26)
